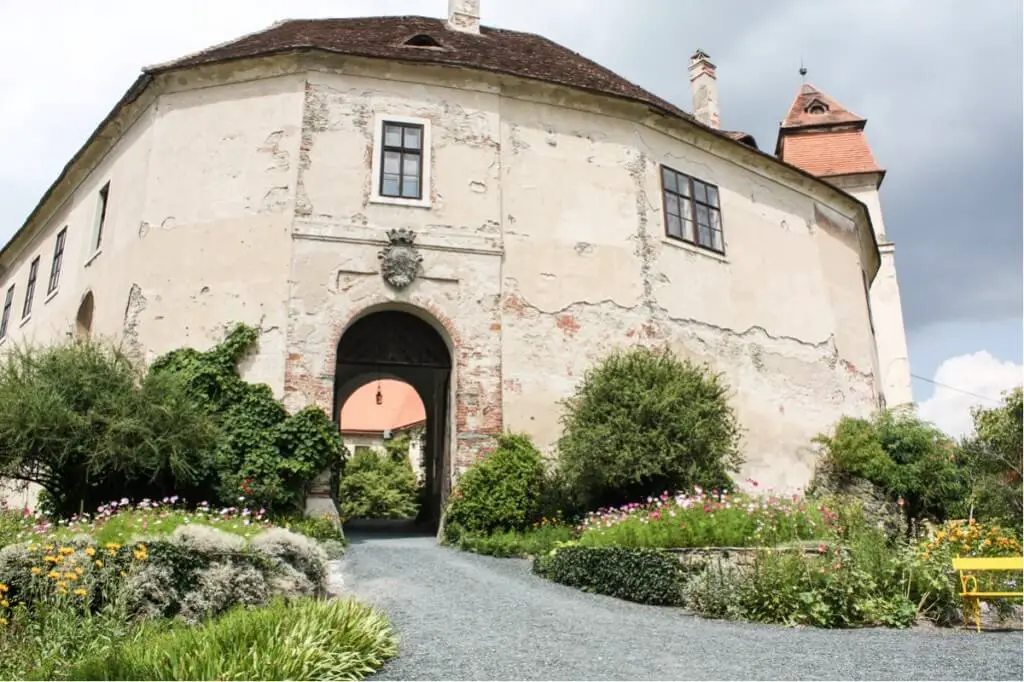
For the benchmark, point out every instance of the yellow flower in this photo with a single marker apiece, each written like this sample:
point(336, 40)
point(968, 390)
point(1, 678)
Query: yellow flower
point(54, 575)
point(3, 621)
point(36, 570)
point(3, 588)
point(80, 592)
point(90, 551)
point(4, 603)
point(112, 546)
point(99, 564)
point(123, 574)
point(66, 550)
point(78, 570)
point(62, 585)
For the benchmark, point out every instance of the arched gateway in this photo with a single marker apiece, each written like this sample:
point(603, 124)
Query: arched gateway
point(397, 344)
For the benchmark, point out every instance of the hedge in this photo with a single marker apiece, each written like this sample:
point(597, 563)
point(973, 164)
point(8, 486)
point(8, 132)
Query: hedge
point(638, 574)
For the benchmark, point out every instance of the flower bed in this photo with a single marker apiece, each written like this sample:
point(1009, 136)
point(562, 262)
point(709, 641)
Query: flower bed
point(708, 519)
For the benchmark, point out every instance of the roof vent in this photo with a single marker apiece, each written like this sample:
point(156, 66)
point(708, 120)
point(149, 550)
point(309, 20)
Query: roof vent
point(817, 107)
point(421, 40)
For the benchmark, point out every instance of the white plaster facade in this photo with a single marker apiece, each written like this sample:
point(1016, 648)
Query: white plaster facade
point(245, 191)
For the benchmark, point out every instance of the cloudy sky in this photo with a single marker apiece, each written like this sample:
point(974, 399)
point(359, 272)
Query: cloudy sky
point(939, 81)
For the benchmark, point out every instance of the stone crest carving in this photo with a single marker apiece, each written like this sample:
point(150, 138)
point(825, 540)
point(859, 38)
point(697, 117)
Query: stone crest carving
point(400, 260)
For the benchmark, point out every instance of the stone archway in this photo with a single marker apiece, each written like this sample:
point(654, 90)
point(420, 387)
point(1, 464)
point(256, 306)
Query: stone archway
point(401, 345)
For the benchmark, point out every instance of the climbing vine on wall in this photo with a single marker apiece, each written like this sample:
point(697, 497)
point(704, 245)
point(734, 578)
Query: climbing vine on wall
point(264, 455)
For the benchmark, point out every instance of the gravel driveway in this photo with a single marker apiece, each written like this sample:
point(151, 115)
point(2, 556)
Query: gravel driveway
point(461, 616)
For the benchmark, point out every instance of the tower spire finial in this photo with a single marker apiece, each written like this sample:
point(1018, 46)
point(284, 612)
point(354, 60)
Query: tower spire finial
point(803, 71)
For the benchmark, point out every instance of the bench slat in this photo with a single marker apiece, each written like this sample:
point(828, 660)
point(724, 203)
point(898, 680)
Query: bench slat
point(1011, 563)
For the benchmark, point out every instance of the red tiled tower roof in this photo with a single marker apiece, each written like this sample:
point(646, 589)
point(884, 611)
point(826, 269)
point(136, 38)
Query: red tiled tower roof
point(821, 136)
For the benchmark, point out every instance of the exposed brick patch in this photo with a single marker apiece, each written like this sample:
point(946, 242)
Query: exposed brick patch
point(568, 324)
point(515, 305)
point(513, 386)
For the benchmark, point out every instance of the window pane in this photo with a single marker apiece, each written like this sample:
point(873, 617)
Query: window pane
point(411, 165)
point(412, 138)
point(698, 191)
point(716, 219)
point(713, 195)
point(392, 162)
point(716, 240)
point(684, 185)
point(410, 187)
point(671, 204)
point(674, 226)
point(668, 178)
point(688, 230)
point(685, 208)
point(389, 185)
point(702, 216)
point(704, 238)
point(392, 135)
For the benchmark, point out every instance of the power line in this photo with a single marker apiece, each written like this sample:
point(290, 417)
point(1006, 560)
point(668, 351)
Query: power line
point(958, 390)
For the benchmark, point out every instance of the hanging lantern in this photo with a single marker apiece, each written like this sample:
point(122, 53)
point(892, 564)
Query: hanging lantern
point(380, 396)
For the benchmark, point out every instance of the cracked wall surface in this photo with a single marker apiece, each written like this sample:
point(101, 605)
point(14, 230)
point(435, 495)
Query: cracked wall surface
point(243, 193)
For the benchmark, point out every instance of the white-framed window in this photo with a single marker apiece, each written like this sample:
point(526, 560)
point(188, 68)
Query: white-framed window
point(401, 161)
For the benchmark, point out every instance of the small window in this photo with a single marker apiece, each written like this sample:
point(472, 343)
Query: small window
point(692, 210)
point(30, 288)
point(422, 40)
point(58, 259)
point(867, 299)
point(101, 218)
point(5, 318)
point(401, 163)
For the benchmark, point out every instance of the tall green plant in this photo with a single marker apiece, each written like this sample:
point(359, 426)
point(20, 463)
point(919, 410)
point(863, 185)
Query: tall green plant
point(264, 455)
point(643, 422)
point(82, 421)
point(994, 459)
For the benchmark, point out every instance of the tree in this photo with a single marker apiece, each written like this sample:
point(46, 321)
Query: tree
point(994, 457)
point(82, 421)
point(643, 422)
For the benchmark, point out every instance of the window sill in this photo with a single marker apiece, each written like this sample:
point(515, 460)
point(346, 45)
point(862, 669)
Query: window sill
point(692, 248)
point(25, 320)
point(398, 201)
point(94, 256)
point(50, 296)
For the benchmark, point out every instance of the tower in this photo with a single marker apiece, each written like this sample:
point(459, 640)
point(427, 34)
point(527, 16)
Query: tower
point(822, 137)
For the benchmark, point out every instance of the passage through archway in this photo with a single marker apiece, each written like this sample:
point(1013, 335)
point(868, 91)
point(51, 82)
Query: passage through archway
point(394, 344)
point(83, 320)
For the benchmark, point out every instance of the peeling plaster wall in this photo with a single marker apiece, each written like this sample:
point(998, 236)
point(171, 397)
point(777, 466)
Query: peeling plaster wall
point(588, 268)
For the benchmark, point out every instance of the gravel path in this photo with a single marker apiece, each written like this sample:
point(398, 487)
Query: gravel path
point(461, 616)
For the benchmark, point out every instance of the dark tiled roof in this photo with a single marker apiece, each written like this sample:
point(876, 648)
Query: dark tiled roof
point(510, 52)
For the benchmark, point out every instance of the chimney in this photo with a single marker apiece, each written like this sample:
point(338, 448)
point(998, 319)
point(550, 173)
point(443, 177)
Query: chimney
point(464, 15)
point(704, 85)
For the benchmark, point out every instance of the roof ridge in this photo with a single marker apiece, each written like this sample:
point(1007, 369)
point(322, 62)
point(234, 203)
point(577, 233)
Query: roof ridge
point(166, 64)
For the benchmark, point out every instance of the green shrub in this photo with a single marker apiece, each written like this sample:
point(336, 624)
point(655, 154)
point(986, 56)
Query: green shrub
point(322, 528)
point(375, 486)
point(302, 640)
point(911, 460)
point(647, 576)
point(643, 422)
point(81, 420)
point(500, 493)
point(516, 543)
point(264, 454)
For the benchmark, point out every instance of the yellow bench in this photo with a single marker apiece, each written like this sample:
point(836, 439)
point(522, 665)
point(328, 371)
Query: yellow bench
point(968, 566)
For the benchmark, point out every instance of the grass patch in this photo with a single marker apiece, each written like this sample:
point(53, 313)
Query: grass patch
point(301, 640)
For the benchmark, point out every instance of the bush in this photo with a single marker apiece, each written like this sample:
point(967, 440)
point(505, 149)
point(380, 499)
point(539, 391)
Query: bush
point(706, 519)
point(500, 493)
point(647, 576)
point(910, 460)
point(81, 420)
point(322, 528)
point(264, 454)
point(304, 640)
point(643, 422)
point(375, 486)
point(516, 543)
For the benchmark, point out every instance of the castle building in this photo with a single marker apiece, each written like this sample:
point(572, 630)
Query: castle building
point(480, 213)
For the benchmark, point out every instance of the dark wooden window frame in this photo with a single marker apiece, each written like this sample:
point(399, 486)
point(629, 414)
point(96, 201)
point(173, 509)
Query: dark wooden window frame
point(104, 200)
point(689, 196)
point(58, 261)
point(30, 288)
point(403, 151)
point(5, 317)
